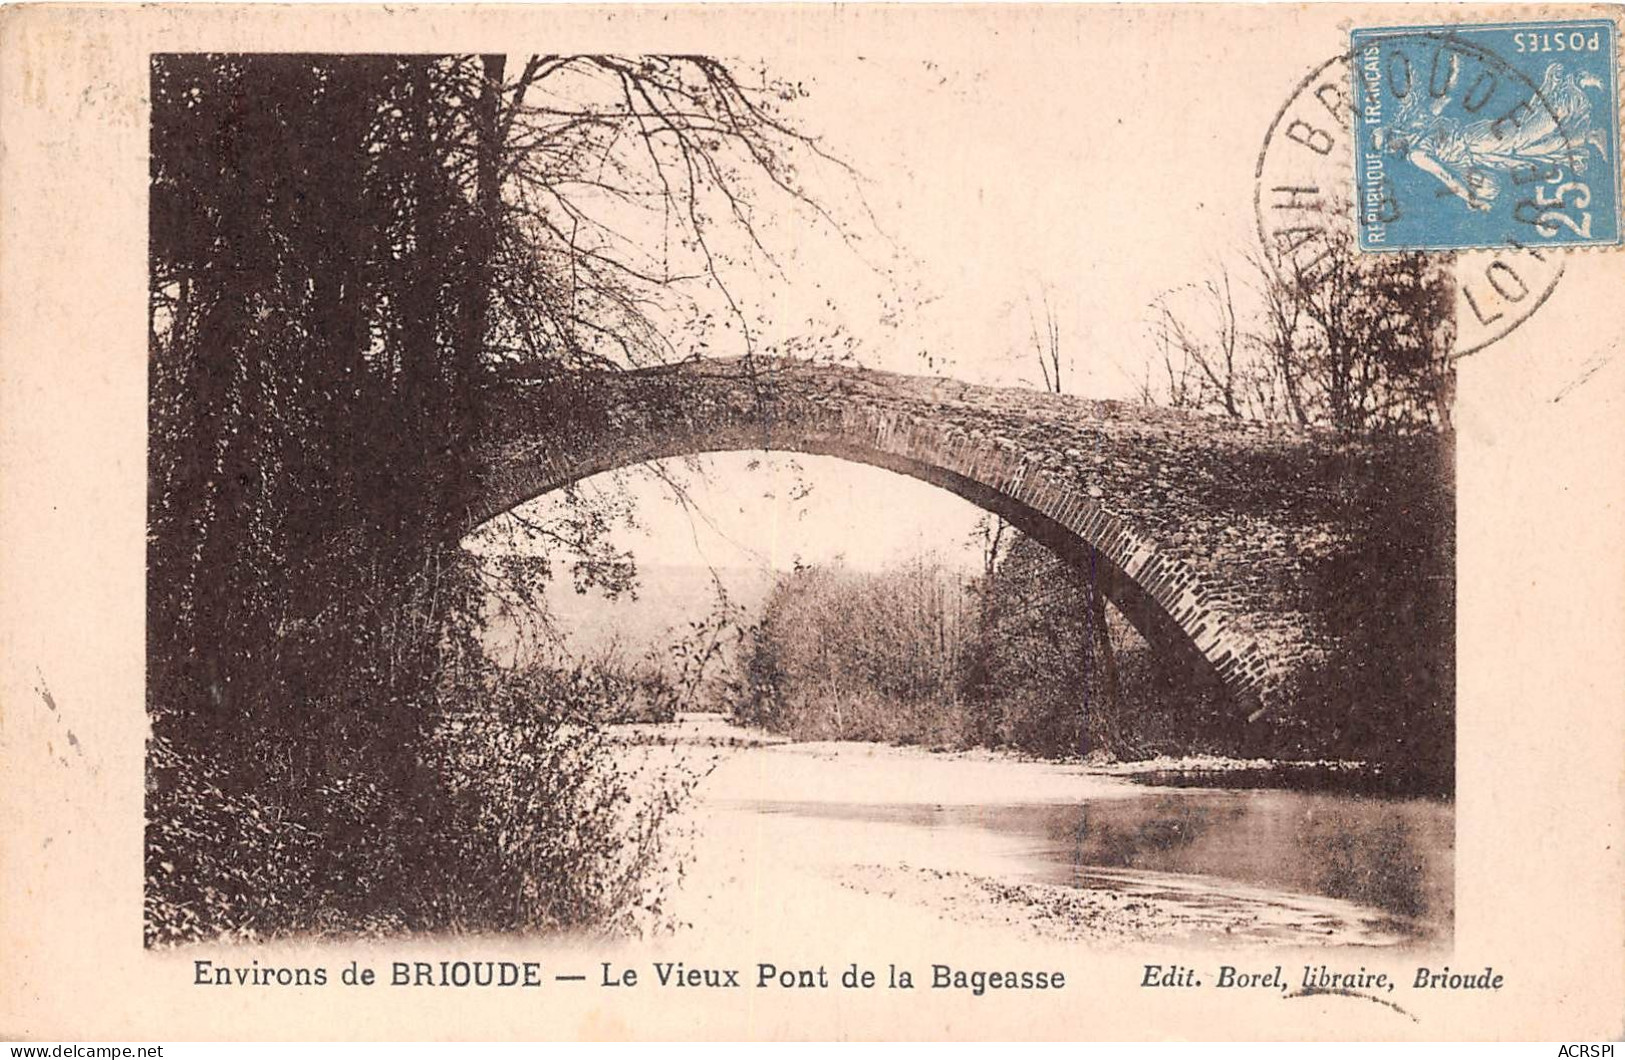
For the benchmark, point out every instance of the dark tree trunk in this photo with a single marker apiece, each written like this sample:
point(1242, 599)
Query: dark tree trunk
point(1104, 721)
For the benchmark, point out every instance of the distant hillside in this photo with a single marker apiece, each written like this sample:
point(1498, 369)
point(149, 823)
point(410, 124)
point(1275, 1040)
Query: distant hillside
point(668, 598)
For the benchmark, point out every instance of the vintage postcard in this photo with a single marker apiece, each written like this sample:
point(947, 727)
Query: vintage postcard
point(802, 521)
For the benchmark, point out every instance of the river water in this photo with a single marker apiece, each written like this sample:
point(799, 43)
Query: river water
point(965, 832)
point(1391, 857)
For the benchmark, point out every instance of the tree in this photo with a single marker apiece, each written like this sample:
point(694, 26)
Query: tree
point(1375, 354)
point(1045, 678)
point(1206, 342)
point(346, 255)
point(345, 242)
point(1355, 342)
point(846, 654)
point(1046, 346)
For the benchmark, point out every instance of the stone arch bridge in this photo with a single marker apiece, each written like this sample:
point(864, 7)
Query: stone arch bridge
point(1244, 551)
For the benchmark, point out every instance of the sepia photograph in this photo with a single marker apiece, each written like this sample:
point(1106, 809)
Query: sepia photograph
point(557, 458)
point(793, 521)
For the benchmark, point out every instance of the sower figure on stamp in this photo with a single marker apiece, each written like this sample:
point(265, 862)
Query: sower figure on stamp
point(1471, 159)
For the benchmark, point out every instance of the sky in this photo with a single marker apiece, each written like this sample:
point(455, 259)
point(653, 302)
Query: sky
point(1096, 158)
point(1089, 159)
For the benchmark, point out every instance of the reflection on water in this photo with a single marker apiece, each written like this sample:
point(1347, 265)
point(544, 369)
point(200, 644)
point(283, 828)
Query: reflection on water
point(1394, 856)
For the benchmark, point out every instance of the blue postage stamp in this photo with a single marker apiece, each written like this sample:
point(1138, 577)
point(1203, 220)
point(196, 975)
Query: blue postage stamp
point(1500, 135)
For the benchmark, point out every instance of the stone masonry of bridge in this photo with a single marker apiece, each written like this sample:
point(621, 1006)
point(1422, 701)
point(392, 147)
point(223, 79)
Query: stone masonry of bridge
point(1212, 535)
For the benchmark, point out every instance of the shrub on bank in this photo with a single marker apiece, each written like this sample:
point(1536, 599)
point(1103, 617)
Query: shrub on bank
point(512, 811)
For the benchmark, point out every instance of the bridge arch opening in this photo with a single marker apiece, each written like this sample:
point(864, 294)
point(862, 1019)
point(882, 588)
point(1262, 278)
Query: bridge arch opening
point(994, 491)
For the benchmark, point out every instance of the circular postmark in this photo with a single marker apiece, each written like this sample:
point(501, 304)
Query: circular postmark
point(1311, 210)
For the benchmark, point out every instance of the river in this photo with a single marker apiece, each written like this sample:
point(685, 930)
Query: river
point(1047, 850)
